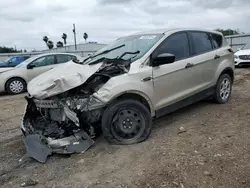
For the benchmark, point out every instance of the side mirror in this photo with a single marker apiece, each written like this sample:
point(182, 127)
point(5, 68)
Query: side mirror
point(30, 66)
point(162, 59)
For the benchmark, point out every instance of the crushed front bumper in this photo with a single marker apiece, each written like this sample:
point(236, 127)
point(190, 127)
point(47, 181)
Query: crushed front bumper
point(40, 147)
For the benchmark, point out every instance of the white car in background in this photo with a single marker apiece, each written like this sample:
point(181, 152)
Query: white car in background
point(15, 80)
point(242, 56)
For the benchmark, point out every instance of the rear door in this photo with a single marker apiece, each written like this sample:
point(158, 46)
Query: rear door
point(40, 65)
point(204, 59)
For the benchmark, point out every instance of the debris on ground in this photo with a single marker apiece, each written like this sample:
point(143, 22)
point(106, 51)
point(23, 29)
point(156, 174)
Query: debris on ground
point(182, 130)
point(29, 183)
point(206, 173)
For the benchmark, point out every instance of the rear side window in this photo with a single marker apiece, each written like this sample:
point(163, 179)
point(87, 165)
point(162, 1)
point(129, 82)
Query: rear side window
point(217, 40)
point(63, 58)
point(176, 44)
point(201, 42)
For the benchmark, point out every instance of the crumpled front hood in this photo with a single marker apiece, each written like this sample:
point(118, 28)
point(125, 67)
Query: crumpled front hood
point(60, 79)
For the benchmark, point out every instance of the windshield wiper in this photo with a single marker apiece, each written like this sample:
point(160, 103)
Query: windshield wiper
point(104, 52)
point(115, 59)
point(131, 53)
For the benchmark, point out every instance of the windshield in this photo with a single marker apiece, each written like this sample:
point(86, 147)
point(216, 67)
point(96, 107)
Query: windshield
point(246, 47)
point(126, 48)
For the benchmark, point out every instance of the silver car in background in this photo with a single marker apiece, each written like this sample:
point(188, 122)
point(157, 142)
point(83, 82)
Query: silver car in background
point(121, 88)
point(14, 79)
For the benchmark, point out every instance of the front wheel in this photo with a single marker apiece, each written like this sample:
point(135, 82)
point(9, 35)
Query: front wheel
point(126, 122)
point(223, 89)
point(15, 86)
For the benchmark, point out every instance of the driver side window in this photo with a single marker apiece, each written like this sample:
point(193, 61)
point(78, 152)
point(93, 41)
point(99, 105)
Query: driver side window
point(44, 61)
point(176, 44)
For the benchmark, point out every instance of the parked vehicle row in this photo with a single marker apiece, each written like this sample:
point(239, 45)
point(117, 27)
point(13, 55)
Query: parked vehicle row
point(121, 88)
point(13, 61)
point(14, 80)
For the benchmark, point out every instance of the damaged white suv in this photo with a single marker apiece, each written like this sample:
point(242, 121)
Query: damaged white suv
point(122, 87)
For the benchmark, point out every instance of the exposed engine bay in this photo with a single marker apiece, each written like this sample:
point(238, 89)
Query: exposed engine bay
point(68, 122)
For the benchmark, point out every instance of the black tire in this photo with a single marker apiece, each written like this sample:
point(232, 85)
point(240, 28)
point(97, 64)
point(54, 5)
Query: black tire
point(137, 118)
point(218, 96)
point(18, 81)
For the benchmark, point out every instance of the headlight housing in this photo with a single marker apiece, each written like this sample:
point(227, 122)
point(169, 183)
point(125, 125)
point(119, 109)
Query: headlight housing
point(236, 57)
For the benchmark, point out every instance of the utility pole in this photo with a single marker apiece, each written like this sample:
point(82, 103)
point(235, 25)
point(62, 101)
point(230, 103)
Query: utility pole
point(74, 31)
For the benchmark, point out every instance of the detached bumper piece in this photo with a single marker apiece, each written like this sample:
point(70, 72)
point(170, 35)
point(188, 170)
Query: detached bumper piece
point(40, 148)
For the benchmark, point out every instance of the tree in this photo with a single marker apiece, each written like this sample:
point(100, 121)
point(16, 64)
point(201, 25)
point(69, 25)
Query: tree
point(59, 44)
point(45, 39)
point(50, 44)
point(227, 32)
point(64, 37)
point(4, 49)
point(85, 36)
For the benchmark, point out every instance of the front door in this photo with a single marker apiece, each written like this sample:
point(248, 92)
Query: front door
point(172, 82)
point(40, 65)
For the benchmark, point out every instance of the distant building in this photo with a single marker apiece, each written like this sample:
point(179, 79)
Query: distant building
point(82, 50)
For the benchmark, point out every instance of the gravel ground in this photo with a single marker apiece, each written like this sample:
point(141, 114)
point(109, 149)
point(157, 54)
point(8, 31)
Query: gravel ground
point(212, 152)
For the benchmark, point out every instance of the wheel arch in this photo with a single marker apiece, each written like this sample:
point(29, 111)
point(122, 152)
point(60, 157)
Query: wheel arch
point(138, 96)
point(228, 71)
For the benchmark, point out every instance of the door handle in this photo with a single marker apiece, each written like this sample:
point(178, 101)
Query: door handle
point(216, 56)
point(189, 65)
point(147, 79)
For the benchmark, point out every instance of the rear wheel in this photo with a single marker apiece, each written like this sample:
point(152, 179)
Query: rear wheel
point(15, 86)
point(223, 89)
point(126, 122)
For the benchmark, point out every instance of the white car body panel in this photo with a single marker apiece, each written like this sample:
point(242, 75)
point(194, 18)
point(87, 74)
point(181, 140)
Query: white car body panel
point(6, 69)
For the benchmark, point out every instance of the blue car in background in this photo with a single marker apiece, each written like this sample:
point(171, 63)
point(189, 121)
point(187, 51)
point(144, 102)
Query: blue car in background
point(13, 61)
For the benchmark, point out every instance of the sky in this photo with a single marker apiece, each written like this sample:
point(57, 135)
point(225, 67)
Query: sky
point(23, 23)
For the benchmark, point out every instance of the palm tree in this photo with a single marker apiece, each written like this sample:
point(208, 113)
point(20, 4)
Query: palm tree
point(59, 44)
point(85, 36)
point(50, 44)
point(64, 37)
point(45, 39)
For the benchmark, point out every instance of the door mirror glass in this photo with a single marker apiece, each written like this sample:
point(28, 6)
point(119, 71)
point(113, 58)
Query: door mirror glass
point(30, 66)
point(162, 59)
